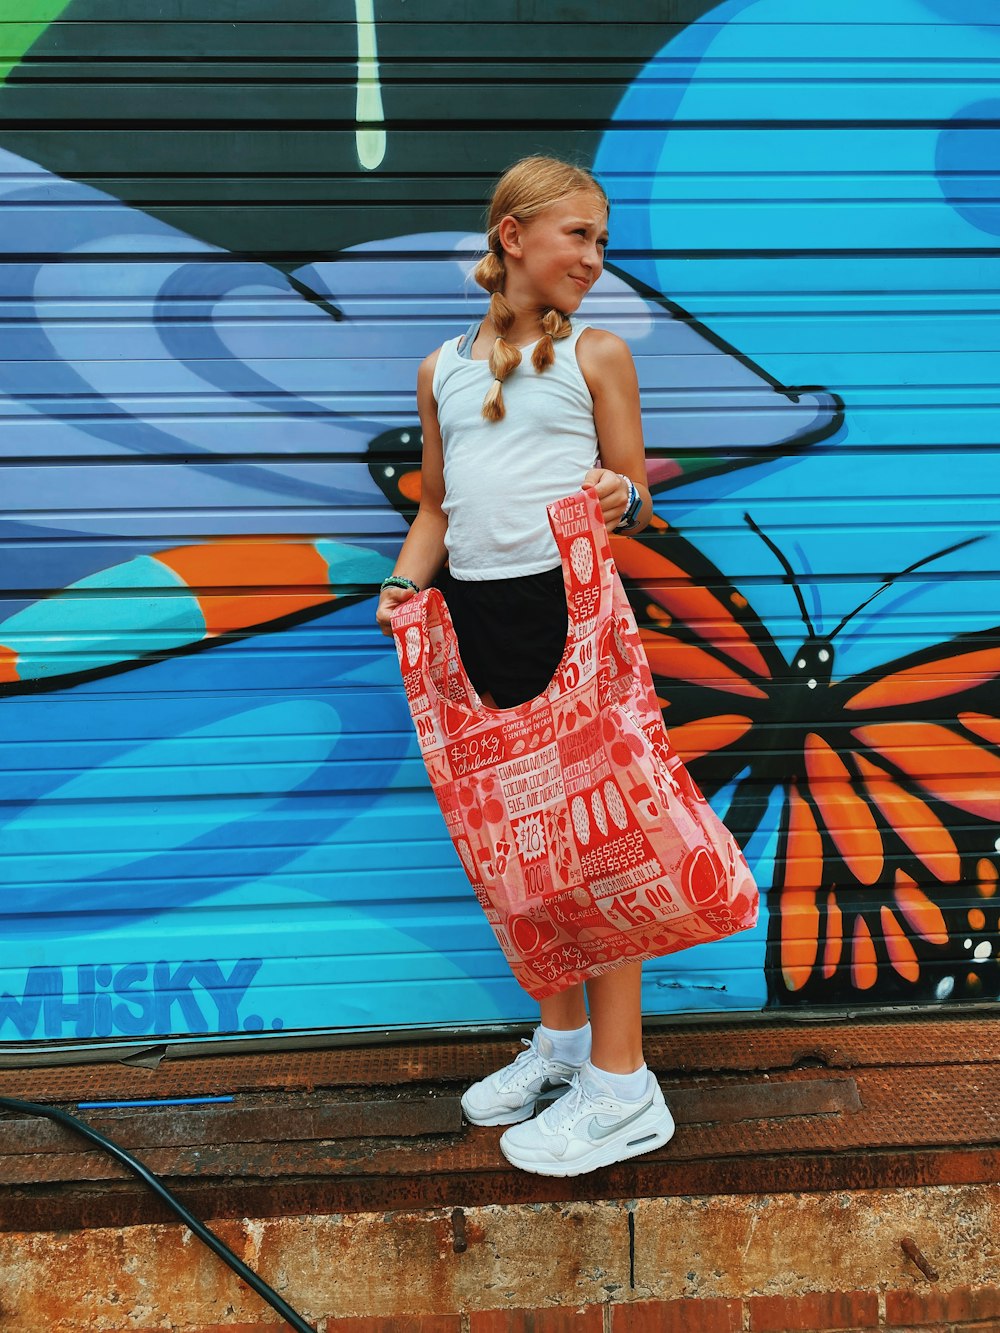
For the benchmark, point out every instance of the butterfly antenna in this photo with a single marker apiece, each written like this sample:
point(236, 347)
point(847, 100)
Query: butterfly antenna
point(947, 550)
point(789, 572)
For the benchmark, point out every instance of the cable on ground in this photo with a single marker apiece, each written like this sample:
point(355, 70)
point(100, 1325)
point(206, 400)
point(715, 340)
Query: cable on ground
point(198, 1227)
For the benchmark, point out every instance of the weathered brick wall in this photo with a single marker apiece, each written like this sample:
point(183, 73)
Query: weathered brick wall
point(737, 1264)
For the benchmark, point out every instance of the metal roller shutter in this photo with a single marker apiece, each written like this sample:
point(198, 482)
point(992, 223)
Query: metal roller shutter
point(230, 237)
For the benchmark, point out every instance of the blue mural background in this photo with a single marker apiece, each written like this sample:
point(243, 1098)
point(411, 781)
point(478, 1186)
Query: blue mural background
point(232, 832)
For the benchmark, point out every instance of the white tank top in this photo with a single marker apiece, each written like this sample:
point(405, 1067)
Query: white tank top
point(500, 475)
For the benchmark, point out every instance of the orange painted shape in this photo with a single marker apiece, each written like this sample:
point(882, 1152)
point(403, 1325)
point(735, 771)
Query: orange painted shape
point(977, 918)
point(685, 661)
point(804, 849)
point(799, 937)
point(799, 913)
point(944, 763)
point(691, 740)
point(924, 916)
point(984, 726)
point(914, 821)
point(834, 946)
point(846, 815)
point(409, 485)
point(986, 872)
point(930, 680)
point(900, 950)
point(241, 583)
point(674, 589)
point(8, 664)
point(864, 965)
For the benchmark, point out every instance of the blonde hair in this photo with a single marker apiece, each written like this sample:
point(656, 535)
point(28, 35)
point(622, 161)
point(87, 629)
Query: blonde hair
point(526, 189)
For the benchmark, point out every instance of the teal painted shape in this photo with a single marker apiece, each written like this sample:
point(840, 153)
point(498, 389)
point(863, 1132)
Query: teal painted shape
point(171, 792)
point(348, 963)
point(70, 633)
point(353, 568)
point(838, 126)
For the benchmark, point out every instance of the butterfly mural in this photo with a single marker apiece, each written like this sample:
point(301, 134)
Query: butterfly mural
point(889, 780)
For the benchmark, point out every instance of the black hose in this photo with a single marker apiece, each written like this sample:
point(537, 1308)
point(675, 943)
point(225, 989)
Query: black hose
point(156, 1185)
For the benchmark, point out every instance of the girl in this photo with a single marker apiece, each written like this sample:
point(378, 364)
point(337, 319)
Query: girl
point(524, 408)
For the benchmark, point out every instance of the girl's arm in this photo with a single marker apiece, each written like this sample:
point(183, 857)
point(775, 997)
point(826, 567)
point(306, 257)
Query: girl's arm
point(608, 368)
point(423, 552)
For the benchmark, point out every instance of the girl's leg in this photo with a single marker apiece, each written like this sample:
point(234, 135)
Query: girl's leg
point(565, 1012)
point(616, 1019)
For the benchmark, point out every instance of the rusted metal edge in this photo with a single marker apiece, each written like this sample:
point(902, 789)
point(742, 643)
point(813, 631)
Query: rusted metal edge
point(80, 1206)
point(678, 1052)
point(251, 1121)
point(49, 1054)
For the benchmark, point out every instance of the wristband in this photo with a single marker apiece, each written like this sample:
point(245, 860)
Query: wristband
point(397, 581)
point(632, 508)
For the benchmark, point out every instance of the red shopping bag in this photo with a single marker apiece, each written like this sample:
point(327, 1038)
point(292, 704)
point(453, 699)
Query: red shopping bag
point(586, 841)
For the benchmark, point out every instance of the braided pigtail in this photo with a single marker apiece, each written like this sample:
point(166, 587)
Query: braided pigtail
point(556, 326)
point(504, 357)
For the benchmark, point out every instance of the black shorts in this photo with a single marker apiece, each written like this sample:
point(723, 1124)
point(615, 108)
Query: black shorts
point(511, 632)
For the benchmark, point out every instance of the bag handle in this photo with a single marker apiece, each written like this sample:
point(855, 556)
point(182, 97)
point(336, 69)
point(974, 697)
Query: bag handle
point(574, 514)
point(419, 647)
point(618, 670)
point(578, 528)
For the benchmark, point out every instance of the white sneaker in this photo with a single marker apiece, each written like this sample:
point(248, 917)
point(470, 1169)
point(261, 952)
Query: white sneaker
point(589, 1127)
point(512, 1093)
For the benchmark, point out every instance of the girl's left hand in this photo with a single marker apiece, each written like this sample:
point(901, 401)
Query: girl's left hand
point(612, 492)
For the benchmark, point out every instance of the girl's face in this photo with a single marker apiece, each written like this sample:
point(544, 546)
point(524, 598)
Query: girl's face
point(555, 258)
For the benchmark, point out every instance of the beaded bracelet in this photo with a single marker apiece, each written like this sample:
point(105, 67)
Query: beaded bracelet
point(397, 581)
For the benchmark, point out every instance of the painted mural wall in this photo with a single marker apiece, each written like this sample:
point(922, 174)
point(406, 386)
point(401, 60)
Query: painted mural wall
point(228, 239)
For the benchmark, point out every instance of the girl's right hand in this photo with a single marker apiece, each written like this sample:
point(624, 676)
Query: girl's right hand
point(389, 599)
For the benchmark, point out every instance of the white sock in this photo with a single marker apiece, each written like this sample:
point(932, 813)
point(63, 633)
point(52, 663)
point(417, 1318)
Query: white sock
point(572, 1047)
point(626, 1087)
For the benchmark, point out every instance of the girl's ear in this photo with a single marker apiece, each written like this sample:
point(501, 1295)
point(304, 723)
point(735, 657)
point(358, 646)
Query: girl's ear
point(509, 236)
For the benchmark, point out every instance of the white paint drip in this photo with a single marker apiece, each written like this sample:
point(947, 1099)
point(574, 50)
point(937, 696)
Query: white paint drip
point(369, 135)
